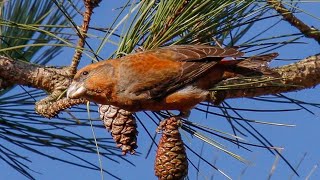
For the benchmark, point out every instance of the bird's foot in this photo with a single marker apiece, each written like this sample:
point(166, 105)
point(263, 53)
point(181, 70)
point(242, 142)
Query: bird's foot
point(216, 97)
point(184, 114)
point(140, 49)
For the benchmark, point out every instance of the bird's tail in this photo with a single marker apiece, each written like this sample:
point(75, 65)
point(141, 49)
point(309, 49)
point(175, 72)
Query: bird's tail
point(252, 66)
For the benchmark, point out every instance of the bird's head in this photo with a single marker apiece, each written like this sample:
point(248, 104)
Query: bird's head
point(92, 82)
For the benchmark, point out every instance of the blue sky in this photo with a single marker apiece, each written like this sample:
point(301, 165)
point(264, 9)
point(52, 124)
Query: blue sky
point(303, 138)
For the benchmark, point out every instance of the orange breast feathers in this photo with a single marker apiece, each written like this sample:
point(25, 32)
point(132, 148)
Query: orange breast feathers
point(168, 78)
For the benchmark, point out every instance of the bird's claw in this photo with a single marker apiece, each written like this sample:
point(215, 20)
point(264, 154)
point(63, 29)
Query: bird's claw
point(140, 49)
point(184, 114)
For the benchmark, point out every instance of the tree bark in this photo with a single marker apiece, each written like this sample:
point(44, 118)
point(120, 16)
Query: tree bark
point(54, 80)
point(293, 77)
point(309, 32)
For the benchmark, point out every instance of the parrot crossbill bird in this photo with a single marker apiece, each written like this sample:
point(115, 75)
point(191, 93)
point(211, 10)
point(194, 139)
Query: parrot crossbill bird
point(168, 78)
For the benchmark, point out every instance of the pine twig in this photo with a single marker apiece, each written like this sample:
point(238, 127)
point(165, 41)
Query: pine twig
point(89, 6)
point(309, 32)
point(54, 80)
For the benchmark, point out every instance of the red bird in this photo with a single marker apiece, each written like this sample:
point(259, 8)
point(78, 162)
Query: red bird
point(168, 78)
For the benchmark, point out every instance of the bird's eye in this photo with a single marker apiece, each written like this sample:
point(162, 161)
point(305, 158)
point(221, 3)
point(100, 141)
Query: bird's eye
point(85, 73)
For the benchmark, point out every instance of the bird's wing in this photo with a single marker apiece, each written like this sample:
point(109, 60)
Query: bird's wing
point(194, 52)
point(157, 73)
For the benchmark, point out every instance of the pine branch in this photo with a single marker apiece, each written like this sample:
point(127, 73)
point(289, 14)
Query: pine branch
point(20, 72)
point(293, 77)
point(54, 80)
point(309, 32)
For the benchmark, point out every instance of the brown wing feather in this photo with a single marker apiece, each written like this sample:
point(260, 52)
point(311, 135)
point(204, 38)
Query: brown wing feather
point(158, 81)
point(194, 52)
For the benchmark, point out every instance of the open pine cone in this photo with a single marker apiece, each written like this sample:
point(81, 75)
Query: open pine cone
point(122, 125)
point(171, 159)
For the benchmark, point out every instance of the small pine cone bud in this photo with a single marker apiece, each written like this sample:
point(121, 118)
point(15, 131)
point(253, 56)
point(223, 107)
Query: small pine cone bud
point(92, 3)
point(122, 125)
point(171, 159)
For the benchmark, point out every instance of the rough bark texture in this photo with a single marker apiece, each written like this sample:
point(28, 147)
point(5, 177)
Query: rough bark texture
point(82, 33)
point(309, 32)
point(27, 74)
point(293, 77)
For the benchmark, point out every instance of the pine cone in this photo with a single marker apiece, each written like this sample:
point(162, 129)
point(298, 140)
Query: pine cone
point(171, 159)
point(122, 125)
